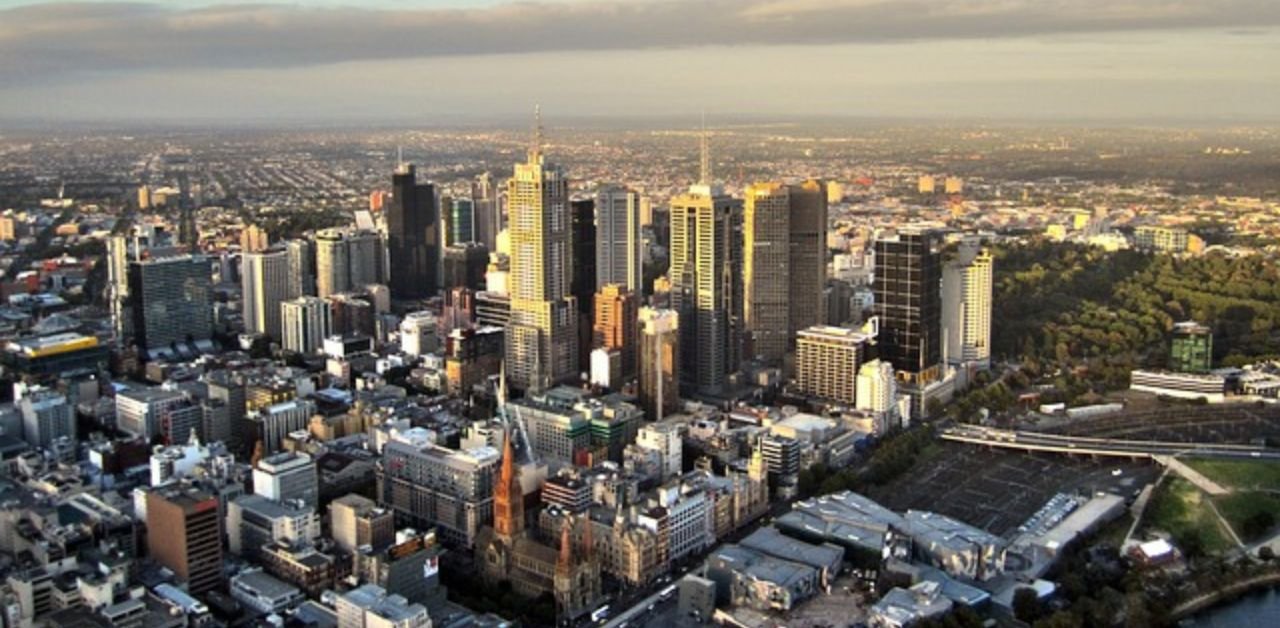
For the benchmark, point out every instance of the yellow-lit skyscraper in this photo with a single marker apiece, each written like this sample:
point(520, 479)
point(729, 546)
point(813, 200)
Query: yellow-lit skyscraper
point(542, 338)
point(706, 283)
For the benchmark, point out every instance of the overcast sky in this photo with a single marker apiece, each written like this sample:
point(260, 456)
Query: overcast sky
point(454, 60)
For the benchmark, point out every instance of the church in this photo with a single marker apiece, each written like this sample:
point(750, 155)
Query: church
point(507, 552)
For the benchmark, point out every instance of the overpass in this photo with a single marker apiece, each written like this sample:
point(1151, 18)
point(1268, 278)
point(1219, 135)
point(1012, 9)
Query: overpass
point(1089, 446)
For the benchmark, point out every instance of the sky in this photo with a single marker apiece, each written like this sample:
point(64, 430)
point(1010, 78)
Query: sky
point(452, 61)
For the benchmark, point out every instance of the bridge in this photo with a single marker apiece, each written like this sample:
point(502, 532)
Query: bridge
point(1091, 446)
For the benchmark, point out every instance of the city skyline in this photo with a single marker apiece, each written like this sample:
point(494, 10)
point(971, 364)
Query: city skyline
point(323, 61)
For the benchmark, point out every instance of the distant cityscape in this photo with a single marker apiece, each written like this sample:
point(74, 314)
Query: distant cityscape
point(749, 375)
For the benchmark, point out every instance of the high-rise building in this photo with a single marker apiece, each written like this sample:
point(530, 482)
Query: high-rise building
point(184, 534)
point(706, 283)
point(966, 306)
point(784, 231)
point(413, 236)
point(619, 247)
point(827, 361)
point(666, 438)
point(808, 271)
point(170, 415)
point(465, 265)
point(169, 298)
point(583, 261)
point(333, 262)
point(347, 260)
point(287, 476)
point(766, 267)
point(542, 338)
point(304, 323)
point(659, 362)
point(616, 318)
point(269, 425)
point(428, 485)
point(877, 390)
point(461, 222)
point(486, 211)
point(47, 416)
point(1191, 350)
point(265, 285)
point(302, 267)
point(254, 239)
point(908, 301)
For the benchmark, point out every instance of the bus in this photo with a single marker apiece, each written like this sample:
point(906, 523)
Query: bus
point(600, 613)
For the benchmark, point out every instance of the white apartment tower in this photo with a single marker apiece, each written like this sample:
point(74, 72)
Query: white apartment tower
point(265, 285)
point(966, 306)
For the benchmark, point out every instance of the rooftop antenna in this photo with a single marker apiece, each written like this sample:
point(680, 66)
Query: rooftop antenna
point(704, 173)
point(535, 149)
point(399, 157)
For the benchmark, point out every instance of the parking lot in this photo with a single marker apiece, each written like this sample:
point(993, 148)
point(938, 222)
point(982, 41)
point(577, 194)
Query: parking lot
point(998, 490)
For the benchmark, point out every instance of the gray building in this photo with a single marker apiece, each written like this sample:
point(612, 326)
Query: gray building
point(264, 594)
point(170, 302)
point(429, 485)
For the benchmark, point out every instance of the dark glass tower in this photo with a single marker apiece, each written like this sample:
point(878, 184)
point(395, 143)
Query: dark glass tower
point(584, 273)
point(413, 234)
point(908, 300)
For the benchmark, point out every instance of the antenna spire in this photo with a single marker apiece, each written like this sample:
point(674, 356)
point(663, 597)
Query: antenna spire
point(704, 172)
point(535, 149)
point(399, 156)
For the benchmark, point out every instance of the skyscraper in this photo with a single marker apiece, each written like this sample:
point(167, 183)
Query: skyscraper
point(616, 310)
point(302, 267)
point(542, 338)
point(784, 231)
point(808, 272)
point(304, 324)
point(706, 283)
point(265, 285)
point(966, 306)
point(184, 534)
point(47, 416)
point(169, 298)
point(348, 260)
point(583, 262)
point(413, 236)
point(908, 300)
point(659, 358)
point(618, 240)
point(333, 260)
point(766, 267)
point(462, 221)
point(465, 264)
point(486, 210)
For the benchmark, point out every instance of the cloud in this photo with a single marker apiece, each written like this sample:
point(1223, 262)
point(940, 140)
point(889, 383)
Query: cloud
point(65, 41)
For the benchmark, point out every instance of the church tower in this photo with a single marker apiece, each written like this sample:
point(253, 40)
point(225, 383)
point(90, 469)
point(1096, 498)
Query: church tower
point(577, 581)
point(508, 498)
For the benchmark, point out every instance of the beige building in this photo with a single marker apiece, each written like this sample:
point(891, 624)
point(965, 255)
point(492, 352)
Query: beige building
point(542, 337)
point(827, 360)
point(966, 306)
point(265, 286)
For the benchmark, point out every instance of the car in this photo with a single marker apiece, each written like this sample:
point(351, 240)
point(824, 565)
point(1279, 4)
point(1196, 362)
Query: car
point(1116, 472)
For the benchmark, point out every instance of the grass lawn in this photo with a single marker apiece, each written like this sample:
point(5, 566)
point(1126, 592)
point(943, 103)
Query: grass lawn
point(1179, 508)
point(1239, 474)
point(1252, 515)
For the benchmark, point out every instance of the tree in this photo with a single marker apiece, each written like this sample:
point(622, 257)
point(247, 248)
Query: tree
point(1026, 604)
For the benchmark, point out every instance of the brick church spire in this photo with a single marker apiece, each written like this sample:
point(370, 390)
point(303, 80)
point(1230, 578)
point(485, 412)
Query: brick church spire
point(508, 498)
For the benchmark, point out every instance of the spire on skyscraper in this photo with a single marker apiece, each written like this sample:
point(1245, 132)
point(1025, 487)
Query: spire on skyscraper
point(535, 147)
point(704, 172)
